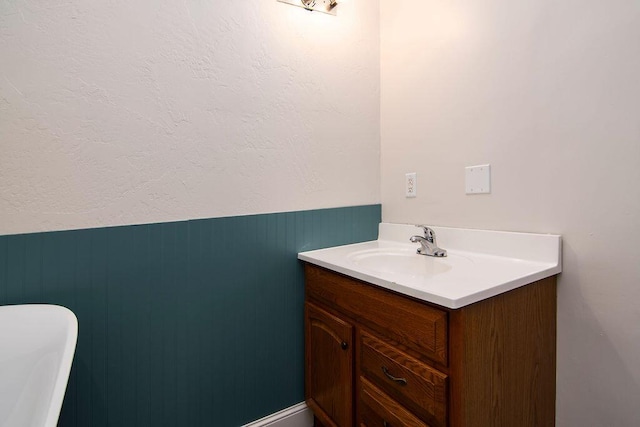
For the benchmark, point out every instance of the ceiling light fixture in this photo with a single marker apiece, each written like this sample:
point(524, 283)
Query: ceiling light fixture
point(325, 6)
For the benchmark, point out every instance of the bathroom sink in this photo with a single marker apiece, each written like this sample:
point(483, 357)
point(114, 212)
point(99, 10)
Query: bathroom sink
point(480, 263)
point(401, 260)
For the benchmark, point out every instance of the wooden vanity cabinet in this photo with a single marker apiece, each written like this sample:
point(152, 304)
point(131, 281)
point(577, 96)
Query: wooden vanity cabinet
point(375, 358)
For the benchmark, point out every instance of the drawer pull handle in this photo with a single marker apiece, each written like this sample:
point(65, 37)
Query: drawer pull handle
point(401, 381)
point(344, 345)
point(385, 424)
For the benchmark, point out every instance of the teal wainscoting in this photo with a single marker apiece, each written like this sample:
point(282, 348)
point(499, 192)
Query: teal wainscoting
point(195, 323)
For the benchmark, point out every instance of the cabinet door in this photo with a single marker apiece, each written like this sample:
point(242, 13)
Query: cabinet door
point(329, 367)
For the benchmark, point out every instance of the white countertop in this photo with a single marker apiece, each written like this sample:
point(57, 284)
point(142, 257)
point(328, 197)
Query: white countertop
point(480, 264)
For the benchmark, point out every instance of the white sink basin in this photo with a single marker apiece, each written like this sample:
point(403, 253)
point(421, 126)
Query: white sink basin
point(400, 260)
point(480, 264)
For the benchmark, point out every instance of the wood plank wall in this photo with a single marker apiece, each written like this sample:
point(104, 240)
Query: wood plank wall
point(195, 323)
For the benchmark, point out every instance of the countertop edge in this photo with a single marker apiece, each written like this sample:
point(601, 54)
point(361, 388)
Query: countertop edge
point(433, 298)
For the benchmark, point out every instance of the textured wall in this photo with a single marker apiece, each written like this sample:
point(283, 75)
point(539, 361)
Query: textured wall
point(136, 112)
point(548, 93)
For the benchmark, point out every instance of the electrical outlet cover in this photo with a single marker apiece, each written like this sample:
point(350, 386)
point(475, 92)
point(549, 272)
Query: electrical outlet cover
point(411, 185)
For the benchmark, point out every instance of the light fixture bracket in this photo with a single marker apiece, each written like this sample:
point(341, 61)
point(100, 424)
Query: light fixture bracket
point(324, 6)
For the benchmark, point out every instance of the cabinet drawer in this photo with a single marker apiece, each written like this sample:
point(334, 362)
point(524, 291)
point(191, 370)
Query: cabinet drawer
point(416, 385)
point(379, 410)
point(409, 322)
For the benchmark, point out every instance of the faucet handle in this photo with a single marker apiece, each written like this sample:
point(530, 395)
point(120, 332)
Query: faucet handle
point(429, 234)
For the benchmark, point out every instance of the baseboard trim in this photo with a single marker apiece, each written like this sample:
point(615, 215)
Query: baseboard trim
point(296, 416)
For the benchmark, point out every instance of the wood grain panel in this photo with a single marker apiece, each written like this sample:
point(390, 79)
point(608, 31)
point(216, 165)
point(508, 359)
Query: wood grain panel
point(503, 359)
point(379, 410)
point(421, 388)
point(329, 362)
point(407, 321)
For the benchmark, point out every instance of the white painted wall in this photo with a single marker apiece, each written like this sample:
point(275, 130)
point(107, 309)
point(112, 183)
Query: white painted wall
point(135, 112)
point(549, 93)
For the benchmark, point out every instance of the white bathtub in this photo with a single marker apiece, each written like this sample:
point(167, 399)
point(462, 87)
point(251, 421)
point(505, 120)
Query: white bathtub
point(37, 343)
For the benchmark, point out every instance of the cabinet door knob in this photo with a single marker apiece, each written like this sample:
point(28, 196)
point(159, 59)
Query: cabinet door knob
point(401, 381)
point(385, 424)
point(344, 345)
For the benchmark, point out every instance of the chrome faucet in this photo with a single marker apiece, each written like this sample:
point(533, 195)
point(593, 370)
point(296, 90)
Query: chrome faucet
point(428, 245)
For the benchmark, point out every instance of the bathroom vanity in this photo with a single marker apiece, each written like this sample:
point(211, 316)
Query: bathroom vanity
point(398, 339)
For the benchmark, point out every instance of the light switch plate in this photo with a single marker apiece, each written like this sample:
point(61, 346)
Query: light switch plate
point(478, 179)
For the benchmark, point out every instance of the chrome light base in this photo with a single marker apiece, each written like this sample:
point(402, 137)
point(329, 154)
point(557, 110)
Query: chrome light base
point(324, 6)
